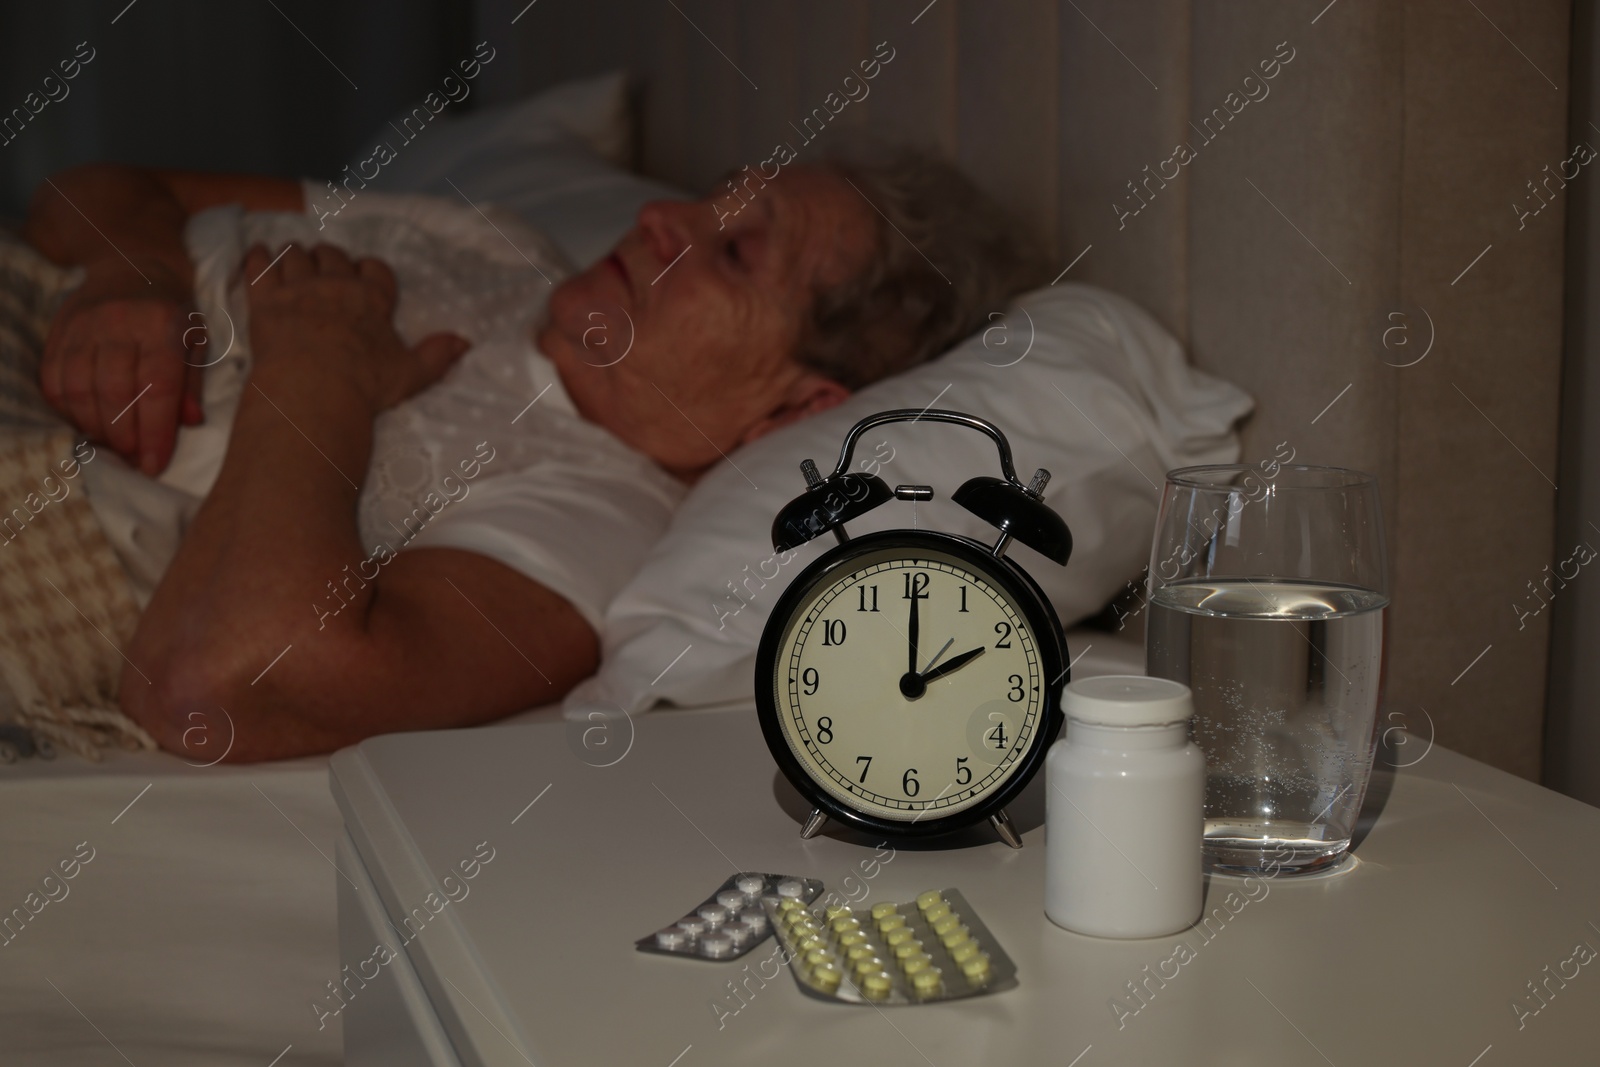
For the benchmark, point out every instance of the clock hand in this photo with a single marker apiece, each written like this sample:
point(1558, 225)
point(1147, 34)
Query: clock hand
point(952, 665)
point(936, 656)
point(912, 669)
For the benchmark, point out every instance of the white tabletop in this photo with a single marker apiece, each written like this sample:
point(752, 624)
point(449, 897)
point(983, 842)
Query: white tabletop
point(1469, 883)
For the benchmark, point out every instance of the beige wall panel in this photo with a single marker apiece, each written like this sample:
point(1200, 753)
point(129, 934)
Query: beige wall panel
point(767, 51)
point(1294, 223)
point(831, 36)
point(1477, 516)
point(1123, 104)
point(1007, 123)
point(914, 98)
point(551, 42)
point(713, 85)
point(663, 112)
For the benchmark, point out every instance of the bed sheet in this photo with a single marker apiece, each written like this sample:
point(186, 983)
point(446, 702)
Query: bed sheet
point(202, 926)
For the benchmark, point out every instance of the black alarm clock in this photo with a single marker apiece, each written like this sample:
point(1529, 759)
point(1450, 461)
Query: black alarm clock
point(907, 680)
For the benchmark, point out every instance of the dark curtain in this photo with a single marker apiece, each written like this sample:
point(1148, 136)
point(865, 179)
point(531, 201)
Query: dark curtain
point(285, 87)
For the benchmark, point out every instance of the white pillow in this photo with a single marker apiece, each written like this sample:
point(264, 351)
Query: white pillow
point(558, 158)
point(1081, 382)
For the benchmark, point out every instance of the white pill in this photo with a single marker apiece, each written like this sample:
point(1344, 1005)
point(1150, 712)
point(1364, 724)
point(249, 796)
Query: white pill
point(693, 924)
point(750, 884)
point(791, 887)
point(672, 937)
point(716, 945)
point(739, 932)
point(715, 915)
point(754, 917)
point(732, 899)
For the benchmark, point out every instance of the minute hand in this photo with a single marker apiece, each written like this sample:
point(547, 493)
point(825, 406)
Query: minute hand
point(952, 664)
point(912, 669)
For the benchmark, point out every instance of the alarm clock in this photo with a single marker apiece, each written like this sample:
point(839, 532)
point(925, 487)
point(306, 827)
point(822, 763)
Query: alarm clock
point(907, 680)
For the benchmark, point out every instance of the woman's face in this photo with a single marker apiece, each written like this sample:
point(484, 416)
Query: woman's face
point(707, 299)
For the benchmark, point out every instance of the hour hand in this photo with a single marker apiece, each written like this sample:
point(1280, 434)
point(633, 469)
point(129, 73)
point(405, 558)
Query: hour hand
point(952, 664)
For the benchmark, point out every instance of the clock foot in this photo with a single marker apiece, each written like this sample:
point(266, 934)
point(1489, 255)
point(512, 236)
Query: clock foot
point(1002, 826)
point(814, 824)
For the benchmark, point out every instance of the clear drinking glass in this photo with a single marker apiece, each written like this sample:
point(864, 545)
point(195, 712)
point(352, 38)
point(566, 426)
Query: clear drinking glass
point(1269, 597)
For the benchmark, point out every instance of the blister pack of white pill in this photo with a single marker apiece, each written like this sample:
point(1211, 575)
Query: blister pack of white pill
point(929, 949)
point(731, 921)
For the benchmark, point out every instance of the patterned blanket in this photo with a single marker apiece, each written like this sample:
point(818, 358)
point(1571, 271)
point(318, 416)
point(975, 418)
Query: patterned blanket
point(65, 607)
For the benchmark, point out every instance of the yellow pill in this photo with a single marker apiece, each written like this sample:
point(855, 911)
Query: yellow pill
point(827, 976)
point(846, 923)
point(951, 938)
point(838, 911)
point(908, 948)
point(965, 951)
point(811, 944)
point(854, 938)
point(892, 921)
point(929, 899)
point(867, 965)
point(788, 904)
point(899, 934)
point(976, 968)
point(917, 961)
point(876, 986)
point(927, 981)
point(864, 951)
point(817, 956)
point(883, 909)
point(937, 912)
point(946, 924)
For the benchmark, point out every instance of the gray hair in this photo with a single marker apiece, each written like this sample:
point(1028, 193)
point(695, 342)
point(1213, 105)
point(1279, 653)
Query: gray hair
point(946, 257)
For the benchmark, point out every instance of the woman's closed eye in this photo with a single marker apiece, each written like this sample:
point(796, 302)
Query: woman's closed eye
point(736, 252)
point(743, 250)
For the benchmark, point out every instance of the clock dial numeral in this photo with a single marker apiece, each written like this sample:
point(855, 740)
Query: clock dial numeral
point(861, 596)
point(1015, 693)
point(909, 784)
point(1004, 630)
point(825, 731)
point(963, 598)
point(916, 585)
point(832, 632)
point(963, 772)
point(811, 679)
point(868, 761)
point(998, 736)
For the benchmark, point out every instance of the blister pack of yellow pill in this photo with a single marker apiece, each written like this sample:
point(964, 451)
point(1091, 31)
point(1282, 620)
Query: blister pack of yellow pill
point(929, 949)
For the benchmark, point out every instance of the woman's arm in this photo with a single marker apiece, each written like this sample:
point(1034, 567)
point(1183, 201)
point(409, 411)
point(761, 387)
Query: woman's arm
point(107, 211)
point(121, 335)
point(440, 638)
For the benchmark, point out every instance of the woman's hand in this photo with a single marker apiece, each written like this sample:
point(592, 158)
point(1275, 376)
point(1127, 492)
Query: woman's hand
point(124, 336)
point(330, 317)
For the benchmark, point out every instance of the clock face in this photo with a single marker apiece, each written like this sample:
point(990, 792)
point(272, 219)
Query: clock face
point(909, 684)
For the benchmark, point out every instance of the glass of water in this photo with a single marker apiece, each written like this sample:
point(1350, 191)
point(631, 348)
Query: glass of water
point(1268, 597)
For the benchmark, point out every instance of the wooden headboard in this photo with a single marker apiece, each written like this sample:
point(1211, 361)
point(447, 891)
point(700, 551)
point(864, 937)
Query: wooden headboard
point(1318, 198)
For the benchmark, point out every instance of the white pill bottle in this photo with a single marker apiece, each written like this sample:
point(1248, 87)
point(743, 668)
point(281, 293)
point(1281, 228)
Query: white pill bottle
point(1125, 814)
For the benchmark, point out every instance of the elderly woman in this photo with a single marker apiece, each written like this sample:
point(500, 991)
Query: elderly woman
point(405, 517)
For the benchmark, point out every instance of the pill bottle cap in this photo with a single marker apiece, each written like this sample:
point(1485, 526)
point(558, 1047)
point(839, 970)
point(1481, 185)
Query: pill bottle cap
point(1127, 700)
